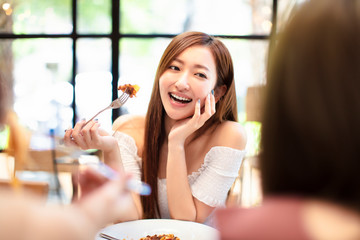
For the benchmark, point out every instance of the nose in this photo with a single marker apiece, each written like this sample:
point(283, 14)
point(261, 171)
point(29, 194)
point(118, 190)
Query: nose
point(182, 83)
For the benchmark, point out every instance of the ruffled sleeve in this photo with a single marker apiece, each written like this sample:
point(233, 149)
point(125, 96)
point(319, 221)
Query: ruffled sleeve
point(128, 152)
point(217, 174)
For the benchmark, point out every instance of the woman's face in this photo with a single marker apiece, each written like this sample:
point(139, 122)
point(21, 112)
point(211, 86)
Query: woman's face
point(190, 76)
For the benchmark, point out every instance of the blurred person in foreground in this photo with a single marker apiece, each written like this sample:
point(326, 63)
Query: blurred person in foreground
point(310, 156)
point(25, 216)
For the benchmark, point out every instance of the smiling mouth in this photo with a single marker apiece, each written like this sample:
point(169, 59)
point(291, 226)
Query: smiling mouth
point(179, 99)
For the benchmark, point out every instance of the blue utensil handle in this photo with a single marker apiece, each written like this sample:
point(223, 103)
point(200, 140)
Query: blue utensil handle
point(131, 184)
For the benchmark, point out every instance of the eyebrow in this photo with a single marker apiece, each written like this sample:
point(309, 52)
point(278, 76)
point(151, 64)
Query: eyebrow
point(196, 65)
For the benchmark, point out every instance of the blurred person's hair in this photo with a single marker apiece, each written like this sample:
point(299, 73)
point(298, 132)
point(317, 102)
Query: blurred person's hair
point(226, 108)
point(311, 125)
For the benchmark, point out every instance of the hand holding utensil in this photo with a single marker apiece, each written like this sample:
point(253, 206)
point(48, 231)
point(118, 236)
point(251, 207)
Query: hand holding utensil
point(131, 184)
point(117, 103)
point(108, 237)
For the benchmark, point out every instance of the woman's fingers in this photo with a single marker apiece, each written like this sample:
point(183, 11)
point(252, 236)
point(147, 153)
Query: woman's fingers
point(68, 137)
point(209, 109)
point(84, 137)
point(212, 103)
point(85, 132)
point(90, 135)
point(197, 112)
point(93, 139)
point(77, 134)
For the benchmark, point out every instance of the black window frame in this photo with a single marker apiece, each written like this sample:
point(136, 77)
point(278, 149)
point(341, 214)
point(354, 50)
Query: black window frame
point(115, 36)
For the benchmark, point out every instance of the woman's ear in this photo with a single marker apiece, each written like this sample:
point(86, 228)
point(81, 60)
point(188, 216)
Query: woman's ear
point(219, 92)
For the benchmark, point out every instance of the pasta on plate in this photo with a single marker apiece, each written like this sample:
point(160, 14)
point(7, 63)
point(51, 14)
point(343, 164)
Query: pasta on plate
point(161, 237)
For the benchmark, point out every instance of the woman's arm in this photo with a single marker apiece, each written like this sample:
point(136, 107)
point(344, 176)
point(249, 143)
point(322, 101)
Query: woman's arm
point(133, 128)
point(182, 204)
point(92, 137)
point(180, 199)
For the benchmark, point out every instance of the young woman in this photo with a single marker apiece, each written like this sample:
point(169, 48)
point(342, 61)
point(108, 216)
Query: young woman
point(189, 147)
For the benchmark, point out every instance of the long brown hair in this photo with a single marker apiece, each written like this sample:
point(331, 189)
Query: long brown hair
point(310, 134)
point(226, 108)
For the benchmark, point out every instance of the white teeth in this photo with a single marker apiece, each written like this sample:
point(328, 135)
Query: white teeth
point(180, 98)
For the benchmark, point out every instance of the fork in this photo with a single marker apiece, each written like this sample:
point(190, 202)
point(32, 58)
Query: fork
point(114, 105)
point(105, 236)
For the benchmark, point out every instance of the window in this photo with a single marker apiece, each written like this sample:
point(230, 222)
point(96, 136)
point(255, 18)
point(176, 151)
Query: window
point(65, 58)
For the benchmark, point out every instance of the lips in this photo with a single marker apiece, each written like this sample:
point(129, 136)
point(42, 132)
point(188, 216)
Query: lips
point(179, 99)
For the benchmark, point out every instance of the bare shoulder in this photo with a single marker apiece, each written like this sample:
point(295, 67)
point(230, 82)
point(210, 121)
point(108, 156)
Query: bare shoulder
point(230, 134)
point(130, 124)
point(134, 126)
point(128, 121)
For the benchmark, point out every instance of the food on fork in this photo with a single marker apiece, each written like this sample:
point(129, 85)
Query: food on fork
point(130, 89)
point(160, 237)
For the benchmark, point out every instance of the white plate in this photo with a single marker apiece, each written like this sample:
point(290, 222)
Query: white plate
point(185, 230)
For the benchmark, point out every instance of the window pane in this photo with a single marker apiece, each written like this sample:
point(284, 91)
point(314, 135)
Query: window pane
point(211, 16)
point(93, 89)
point(92, 94)
point(249, 58)
point(43, 94)
point(32, 16)
point(94, 16)
point(139, 59)
point(93, 54)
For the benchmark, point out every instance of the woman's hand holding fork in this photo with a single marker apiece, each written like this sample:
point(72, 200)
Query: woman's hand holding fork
point(93, 137)
point(89, 136)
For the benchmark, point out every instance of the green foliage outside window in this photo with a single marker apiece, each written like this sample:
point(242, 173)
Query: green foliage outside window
point(253, 130)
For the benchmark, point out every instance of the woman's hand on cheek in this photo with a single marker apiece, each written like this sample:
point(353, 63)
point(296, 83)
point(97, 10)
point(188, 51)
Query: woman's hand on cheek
point(184, 128)
point(203, 114)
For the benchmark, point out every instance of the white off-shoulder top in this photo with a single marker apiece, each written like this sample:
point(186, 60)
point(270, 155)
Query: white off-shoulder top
point(209, 184)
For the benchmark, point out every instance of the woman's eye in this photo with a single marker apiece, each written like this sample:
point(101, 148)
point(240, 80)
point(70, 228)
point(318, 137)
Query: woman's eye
point(201, 75)
point(174, 68)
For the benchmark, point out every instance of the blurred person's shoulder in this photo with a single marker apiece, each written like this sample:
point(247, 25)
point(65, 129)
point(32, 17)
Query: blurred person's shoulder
point(287, 217)
point(277, 218)
point(325, 220)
